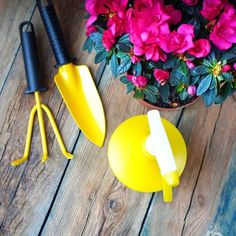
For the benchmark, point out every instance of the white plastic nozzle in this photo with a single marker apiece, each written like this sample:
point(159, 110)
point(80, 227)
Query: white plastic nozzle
point(158, 145)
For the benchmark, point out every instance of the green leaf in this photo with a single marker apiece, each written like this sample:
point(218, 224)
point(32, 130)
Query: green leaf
point(100, 56)
point(123, 47)
point(139, 94)
point(124, 39)
point(228, 77)
point(226, 91)
point(209, 97)
point(183, 95)
point(150, 96)
point(199, 70)
point(179, 88)
point(204, 85)
point(130, 87)
point(165, 92)
point(124, 66)
point(137, 68)
point(229, 54)
point(124, 80)
point(152, 89)
point(175, 78)
point(114, 64)
point(207, 63)
point(170, 62)
point(88, 45)
point(183, 68)
point(96, 38)
point(194, 79)
point(213, 83)
point(121, 54)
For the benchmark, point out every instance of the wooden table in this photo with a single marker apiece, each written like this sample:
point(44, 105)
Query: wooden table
point(81, 196)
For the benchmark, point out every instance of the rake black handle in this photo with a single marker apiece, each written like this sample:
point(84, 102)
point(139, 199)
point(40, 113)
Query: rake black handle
point(55, 35)
point(31, 58)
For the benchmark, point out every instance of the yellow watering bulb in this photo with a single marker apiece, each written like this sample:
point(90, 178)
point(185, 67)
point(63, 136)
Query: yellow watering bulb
point(133, 164)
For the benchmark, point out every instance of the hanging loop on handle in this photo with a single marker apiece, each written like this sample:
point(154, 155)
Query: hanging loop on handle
point(31, 58)
point(54, 32)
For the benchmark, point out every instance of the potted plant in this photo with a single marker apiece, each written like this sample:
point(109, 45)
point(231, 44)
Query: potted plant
point(167, 52)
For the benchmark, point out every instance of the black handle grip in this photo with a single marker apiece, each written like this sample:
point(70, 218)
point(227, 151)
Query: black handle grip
point(31, 59)
point(54, 32)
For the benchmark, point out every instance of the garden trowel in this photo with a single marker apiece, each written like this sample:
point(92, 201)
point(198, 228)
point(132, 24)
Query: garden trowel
point(148, 154)
point(75, 83)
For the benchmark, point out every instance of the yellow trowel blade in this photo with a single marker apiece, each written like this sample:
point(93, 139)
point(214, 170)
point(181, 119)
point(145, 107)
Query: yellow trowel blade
point(132, 164)
point(80, 94)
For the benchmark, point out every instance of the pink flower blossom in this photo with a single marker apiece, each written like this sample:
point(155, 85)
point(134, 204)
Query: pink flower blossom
point(226, 68)
point(91, 29)
point(161, 76)
point(148, 21)
point(190, 2)
point(235, 66)
point(175, 15)
point(179, 42)
point(139, 81)
point(192, 90)
point(97, 7)
point(108, 40)
point(190, 64)
point(212, 8)
point(201, 48)
point(224, 32)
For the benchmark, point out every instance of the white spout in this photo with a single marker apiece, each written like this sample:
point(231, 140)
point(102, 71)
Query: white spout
point(158, 145)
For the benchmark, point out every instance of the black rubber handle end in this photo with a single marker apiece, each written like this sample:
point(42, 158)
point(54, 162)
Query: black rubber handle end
point(31, 58)
point(55, 35)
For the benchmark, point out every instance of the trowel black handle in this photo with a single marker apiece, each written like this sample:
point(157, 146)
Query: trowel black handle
point(54, 31)
point(31, 58)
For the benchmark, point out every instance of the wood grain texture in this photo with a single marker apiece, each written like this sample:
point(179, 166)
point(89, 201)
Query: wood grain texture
point(27, 191)
point(12, 12)
point(224, 220)
point(210, 139)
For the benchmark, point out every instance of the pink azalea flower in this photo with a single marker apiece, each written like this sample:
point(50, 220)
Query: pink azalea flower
point(108, 40)
point(139, 81)
point(235, 66)
point(175, 15)
point(192, 90)
point(212, 8)
point(179, 42)
point(91, 29)
point(226, 68)
point(190, 2)
point(148, 21)
point(224, 32)
point(113, 10)
point(161, 76)
point(201, 48)
point(97, 7)
point(190, 64)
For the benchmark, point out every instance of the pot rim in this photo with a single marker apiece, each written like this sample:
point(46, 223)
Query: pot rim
point(144, 103)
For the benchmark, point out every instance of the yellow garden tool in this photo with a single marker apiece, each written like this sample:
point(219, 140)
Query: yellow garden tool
point(75, 83)
point(35, 86)
point(148, 154)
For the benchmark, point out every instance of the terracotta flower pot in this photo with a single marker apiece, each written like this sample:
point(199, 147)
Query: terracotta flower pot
point(144, 103)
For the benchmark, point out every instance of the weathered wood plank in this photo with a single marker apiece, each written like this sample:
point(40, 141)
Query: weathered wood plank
point(11, 14)
point(26, 192)
point(91, 201)
point(225, 216)
point(213, 173)
point(206, 146)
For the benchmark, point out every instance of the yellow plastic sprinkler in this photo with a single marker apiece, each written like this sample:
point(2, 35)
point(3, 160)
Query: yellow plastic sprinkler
point(148, 154)
point(35, 86)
